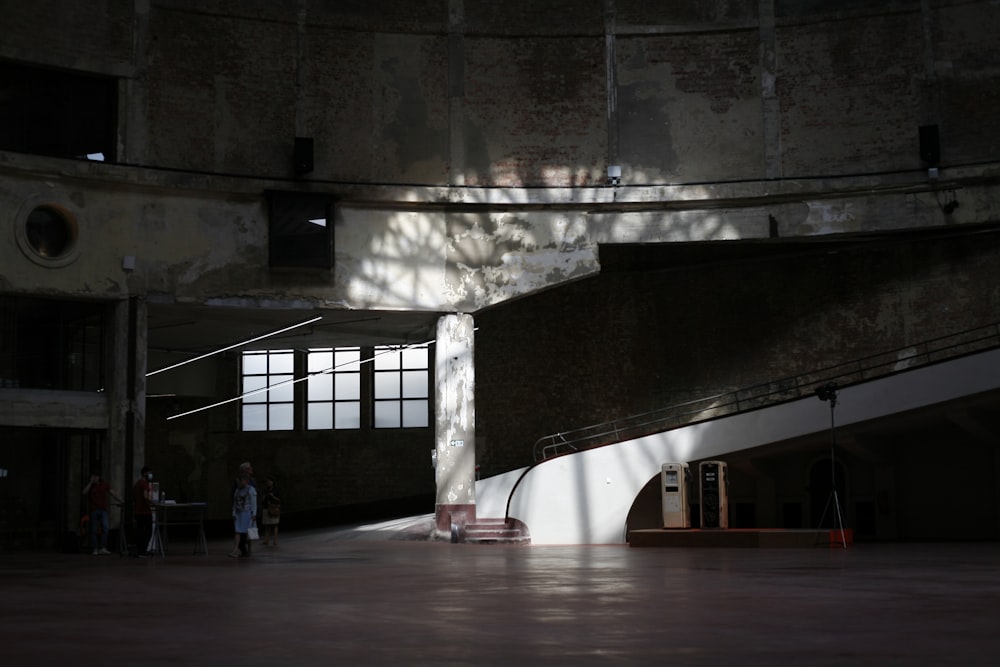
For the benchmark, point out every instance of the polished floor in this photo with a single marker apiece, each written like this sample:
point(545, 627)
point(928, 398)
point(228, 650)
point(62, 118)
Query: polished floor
point(375, 595)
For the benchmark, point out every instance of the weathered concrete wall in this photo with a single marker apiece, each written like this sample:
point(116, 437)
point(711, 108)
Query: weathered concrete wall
point(467, 146)
point(839, 71)
point(627, 342)
point(542, 93)
point(66, 34)
point(53, 409)
point(195, 245)
point(468, 151)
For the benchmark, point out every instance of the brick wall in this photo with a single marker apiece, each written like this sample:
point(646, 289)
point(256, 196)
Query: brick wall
point(624, 343)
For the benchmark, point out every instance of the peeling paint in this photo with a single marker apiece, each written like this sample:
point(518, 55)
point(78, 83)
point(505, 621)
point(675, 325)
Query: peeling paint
point(831, 217)
point(455, 400)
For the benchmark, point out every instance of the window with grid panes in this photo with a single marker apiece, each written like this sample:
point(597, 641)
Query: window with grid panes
point(272, 410)
point(333, 391)
point(401, 386)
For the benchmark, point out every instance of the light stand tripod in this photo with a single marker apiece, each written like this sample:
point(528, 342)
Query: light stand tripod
point(828, 392)
point(122, 539)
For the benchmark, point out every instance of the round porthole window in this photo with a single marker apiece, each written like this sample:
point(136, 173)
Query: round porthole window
point(48, 234)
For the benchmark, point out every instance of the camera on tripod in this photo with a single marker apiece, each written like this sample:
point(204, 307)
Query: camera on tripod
point(827, 392)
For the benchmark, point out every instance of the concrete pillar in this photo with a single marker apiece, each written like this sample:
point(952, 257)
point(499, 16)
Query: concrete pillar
point(455, 423)
point(127, 396)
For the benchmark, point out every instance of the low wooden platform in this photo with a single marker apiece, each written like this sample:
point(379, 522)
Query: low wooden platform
point(740, 538)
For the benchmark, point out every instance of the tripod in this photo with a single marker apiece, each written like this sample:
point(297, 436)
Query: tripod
point(122, 539)
point(828, 392)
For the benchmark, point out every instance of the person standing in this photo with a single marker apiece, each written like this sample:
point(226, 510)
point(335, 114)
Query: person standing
point(244, 515)
point(270, 512)
point(142, 510)
point(246, 468)
point(97, 493)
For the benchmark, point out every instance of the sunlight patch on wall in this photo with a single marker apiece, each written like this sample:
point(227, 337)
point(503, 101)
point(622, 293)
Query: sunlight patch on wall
point(402, 265)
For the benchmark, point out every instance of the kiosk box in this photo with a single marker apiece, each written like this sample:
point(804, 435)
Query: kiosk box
point(674, 495)
point(713, 493)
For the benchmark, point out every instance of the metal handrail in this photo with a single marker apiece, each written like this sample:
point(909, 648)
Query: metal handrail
point(745, 399)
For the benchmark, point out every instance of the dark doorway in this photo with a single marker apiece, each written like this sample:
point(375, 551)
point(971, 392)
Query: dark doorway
point(41, 501)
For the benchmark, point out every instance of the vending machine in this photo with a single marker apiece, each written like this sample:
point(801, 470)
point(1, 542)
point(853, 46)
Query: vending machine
point(674, 495)
point(713, 493)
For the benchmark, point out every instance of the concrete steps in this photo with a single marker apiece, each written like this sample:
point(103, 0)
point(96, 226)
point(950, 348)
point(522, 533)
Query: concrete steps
point(496, 531)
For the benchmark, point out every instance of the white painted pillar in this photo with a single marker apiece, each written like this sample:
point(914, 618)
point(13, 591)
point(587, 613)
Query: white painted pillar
point(455, 423)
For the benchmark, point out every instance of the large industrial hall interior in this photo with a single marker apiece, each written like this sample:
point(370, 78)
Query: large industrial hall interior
point(582, 307)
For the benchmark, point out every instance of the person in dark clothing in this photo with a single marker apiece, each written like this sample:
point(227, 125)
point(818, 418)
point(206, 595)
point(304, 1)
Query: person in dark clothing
point(270, 513)
point(142, 510)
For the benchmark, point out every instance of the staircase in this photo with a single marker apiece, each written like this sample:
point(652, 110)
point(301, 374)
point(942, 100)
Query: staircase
point(847, 374)
point(495, 531)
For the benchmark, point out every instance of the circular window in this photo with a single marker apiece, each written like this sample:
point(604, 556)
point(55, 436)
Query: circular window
point(48, 234)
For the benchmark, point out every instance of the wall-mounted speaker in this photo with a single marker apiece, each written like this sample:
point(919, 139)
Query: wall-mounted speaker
point(303, 155)
point(930, 145)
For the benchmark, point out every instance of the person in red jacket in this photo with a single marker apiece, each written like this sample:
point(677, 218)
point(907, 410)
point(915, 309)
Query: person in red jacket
point(97, 493)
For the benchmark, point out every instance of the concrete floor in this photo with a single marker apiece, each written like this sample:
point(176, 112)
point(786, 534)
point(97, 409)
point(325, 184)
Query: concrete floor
point(377, 596)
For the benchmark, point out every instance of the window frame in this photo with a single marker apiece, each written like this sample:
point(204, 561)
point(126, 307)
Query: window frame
point(393, 360)
point(412, 406)
point(300, 230)
point(267, 394)
point(345, 369)
point(59, 112)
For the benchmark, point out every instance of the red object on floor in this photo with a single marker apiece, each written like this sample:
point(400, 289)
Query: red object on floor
point(839, 540)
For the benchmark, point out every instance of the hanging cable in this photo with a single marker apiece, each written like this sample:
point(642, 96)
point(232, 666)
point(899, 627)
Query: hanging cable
point(235, 345)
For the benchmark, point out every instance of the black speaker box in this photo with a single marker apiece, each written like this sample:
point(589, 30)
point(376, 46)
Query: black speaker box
point(930, 145)
point(303, 155)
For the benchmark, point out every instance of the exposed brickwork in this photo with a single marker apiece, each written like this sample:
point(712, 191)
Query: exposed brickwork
point(68, 34)
point(200, 108)
point(529, 17)
point(965, 49)
point(710, 105)
point(555, 134)
point(840, 92)
point(396, 93)
point(624, 343)
point(687, 13)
